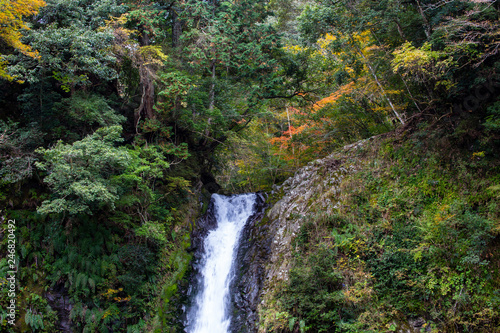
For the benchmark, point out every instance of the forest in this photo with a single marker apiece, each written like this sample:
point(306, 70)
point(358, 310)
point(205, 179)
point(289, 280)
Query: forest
point(119, 119)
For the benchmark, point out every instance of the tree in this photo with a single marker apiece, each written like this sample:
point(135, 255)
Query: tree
point(80, 175)
point(348, 24)
point(229, 50)
point(12, 13)
point(17, 158)
point(71, 47)
point(73, 54)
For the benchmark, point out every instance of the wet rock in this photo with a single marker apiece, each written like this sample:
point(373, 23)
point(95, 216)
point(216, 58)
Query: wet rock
point(252, 255)
point(59, 301)
point(209, 182)
point(417, 325)
point(201, 228)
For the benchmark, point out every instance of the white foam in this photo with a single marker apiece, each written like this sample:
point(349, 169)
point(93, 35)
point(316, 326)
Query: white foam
point(210, 313)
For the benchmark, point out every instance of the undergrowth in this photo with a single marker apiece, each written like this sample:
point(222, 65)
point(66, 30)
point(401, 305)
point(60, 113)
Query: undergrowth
point(115, 280)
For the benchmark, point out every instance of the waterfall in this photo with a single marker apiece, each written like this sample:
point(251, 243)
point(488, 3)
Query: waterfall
point(210, 311)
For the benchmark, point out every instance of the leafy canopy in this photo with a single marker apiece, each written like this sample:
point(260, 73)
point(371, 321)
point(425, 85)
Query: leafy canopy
point(11, 21)
point(80, 175)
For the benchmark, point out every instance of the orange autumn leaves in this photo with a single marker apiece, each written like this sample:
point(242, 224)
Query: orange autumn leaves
point(303, 122)
point(12, 13)
point(285, 140)
point(343, 90)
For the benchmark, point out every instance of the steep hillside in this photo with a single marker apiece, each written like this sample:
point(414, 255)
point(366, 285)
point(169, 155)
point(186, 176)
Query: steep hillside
point(395, 233)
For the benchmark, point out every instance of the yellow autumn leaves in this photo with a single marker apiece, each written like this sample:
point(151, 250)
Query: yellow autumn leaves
point(12, 13)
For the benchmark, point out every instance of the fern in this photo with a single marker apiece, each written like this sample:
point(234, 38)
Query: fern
point(137, 328)
point(73, 256)
point(34, 321)
point(92, 284)
point(81, 281)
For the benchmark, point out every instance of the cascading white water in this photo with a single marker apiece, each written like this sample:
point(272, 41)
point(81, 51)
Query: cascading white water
point(210, 311)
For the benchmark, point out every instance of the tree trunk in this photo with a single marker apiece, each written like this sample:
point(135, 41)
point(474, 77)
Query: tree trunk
point(212, 87)
point(375, 77)
point(427, 26)
point(176, 28)
point(400, 30)
point(145, 109)
point(211, 102)
point(144, 38)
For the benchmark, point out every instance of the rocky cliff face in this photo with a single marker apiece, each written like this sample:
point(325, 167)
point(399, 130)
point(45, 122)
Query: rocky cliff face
point(265, 253)
point(250, 262)
point(314, 189)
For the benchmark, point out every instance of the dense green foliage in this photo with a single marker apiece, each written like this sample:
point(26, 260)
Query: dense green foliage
point(117, 116)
